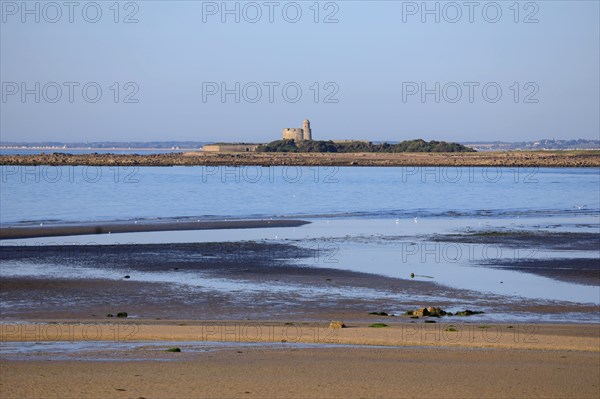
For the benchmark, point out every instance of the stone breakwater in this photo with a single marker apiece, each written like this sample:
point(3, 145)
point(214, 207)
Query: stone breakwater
point(507, 159)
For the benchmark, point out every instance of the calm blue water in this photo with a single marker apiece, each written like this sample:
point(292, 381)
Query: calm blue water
point(71, 194)
point(35, 151)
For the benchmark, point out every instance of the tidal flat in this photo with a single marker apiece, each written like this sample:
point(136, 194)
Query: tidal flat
point(301, 279)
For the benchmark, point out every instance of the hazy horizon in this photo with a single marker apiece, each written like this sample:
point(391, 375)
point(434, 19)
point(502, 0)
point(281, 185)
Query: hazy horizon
point(208, 141)
point(361, 67)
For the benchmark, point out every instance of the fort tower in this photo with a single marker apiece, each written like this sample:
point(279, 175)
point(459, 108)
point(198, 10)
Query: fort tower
point(306, 130)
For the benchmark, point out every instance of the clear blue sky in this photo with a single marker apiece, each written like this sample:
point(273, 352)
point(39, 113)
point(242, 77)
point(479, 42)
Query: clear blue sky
point(373, 58)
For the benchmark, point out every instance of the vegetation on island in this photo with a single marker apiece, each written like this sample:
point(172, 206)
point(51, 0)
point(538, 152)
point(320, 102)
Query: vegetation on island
point(362, 146)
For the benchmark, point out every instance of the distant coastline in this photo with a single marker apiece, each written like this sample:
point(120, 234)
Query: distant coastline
point(42, 148)
point(177, 146)
point(583, 158)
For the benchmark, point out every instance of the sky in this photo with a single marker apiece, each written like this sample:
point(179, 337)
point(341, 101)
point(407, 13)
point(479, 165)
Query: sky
point(242, 71)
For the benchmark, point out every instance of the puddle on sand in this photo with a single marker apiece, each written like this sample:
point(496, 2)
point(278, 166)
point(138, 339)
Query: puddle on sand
point(138, 350)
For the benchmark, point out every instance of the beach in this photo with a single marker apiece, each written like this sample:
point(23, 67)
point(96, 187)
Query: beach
point(558, 361)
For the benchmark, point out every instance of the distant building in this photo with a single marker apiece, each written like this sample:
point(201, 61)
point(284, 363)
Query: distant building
point(230, 147)
point(297, 134)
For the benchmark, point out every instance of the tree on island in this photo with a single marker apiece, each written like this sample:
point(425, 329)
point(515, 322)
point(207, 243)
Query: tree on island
point(418, 145)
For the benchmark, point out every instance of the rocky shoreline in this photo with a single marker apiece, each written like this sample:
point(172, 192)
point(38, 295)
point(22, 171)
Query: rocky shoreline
point(507, 159)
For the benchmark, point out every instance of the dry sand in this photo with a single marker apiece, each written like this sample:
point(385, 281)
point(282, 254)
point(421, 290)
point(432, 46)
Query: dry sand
point(565, 364)
point(315, 373)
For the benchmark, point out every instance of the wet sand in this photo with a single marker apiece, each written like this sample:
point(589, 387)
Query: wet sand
point(129, 227)
point(224, 281)
point(242, 265)
point(560, 241)
point(577, 270)
point(512, 158)
point(261, 283)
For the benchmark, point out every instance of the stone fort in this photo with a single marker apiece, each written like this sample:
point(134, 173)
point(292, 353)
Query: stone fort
point(291, 133)
point(298, 134)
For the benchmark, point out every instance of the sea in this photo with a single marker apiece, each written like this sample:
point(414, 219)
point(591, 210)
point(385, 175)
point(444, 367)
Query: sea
point(34, 194)
point(78, 151)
